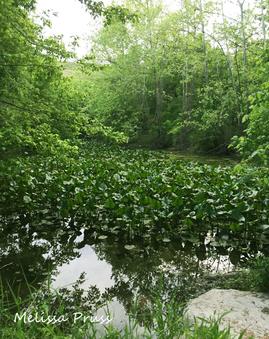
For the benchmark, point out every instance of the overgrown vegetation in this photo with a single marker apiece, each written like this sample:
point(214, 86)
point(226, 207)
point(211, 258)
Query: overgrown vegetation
point(167, 319)
point(194, 80)
point(158, 79)
point(138, 193)
point(253, 276)
point(41, 110)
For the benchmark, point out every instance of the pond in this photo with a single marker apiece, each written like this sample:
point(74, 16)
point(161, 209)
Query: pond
point(138, 225)
point(125, 273)
point(203, 159)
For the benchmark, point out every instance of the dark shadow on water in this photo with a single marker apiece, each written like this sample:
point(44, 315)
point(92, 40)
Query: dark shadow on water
point(123, 271)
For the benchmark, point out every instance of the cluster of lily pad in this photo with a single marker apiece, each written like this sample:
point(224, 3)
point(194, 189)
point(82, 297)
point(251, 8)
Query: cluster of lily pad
point(135, 192)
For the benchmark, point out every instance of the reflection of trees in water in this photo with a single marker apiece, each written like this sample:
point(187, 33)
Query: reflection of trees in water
point(176, 269)
point(30, 252)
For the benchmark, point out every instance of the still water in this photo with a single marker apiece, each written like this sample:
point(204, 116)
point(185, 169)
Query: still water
point(125, 270)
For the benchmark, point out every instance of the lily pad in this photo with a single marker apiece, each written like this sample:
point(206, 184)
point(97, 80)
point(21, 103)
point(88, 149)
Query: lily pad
point(102, 237)
point(129, 247)
point(27, 199)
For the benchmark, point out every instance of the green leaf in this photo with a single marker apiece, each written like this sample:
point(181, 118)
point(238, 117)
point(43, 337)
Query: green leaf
point(102, 237)
point(27, 199)
point(129, 247)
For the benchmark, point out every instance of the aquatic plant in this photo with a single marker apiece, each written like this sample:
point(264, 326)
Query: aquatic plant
point(136, 193)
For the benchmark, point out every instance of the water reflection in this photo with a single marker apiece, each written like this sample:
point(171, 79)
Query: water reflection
point(179, 267)
point(98, 272)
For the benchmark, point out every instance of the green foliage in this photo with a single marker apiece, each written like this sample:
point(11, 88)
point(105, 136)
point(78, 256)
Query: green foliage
point(40, 109)
point(259, 274)
point(110, 13)
point(34, 113)
point(153, 79)
point(166, 80)
point(254, 276)
point(167, 320)
point(137, 192)
point(254, 146)
point(141, 82)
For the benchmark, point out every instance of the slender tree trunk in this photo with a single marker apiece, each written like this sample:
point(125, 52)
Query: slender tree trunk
point(263, 14)
point(244, 57)
point(237, 89)
point(158, 103)
point(240, 92)
point(204, 43)
point(185, 87)
point(243, 33)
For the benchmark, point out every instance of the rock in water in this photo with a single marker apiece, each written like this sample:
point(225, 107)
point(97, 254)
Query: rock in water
point(247, 311)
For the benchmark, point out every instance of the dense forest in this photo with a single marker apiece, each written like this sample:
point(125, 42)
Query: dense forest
point(153, 147)
point(194, 80)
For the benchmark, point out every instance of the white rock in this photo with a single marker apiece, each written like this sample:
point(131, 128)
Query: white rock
point(247, 311)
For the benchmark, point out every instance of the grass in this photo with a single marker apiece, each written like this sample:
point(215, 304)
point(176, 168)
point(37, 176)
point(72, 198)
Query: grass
point(161, 317)
point(254, 277)
point(129, 192)
point(166, 318)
